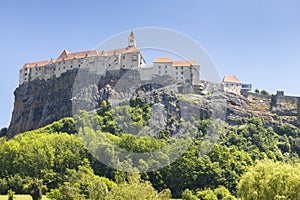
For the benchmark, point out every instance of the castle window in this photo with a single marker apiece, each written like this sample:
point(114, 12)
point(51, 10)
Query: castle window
point(176, 73)
point(78, 60)
point(182, 73)
point(54, 69)
point(176, 68)
point(134, 58)
point(159, 67)
point(166, 67)
point(123, 57)
point(71, 66)
point(59, 63)
point(71, 61)
point(59, 68)
point(124, 66)
point(25, 74)
point(159, 72)
point(182, 68)
point(166, 72)
point(64, 62)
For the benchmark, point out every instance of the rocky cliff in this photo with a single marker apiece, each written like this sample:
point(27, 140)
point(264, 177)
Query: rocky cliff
point(41, 102)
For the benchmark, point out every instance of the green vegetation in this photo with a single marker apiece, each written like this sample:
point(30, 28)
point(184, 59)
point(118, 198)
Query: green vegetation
point(21, 197)
point(263, 92)
point(271, 180)
point(250, 161)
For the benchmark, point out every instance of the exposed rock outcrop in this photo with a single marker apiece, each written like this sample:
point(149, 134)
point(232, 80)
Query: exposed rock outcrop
point(39, 102)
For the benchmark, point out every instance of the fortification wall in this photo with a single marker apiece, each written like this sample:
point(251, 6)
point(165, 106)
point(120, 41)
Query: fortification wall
point(278, 104)
point(258, 102)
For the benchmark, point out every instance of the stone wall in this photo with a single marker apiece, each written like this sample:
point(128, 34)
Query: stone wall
point(258, 102)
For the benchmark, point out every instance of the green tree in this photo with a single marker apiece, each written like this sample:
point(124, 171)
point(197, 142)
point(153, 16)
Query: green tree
point(39, 156)
point(136, 189)
point(188, 195)
point(35, 188)
point(82, 184)
point(264, 92)
point(270, 180)
point(10, 194)
point(3, 186)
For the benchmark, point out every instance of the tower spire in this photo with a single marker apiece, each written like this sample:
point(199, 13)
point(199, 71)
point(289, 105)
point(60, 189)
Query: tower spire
point(131, 40)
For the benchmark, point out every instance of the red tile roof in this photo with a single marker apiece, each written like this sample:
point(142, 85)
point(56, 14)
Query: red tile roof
point(175, 63)
point(34, 64)
point(66, 55)
point(230, 79)
point(163, 59)
point(183, 63)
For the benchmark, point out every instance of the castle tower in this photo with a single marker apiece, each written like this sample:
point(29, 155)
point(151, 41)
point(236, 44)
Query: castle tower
point(131, 40)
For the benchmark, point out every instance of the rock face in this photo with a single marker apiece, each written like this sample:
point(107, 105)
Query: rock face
point(41, 102)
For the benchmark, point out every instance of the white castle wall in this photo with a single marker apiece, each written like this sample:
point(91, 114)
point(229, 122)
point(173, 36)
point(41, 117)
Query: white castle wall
point(100, 62)
point(97, 64)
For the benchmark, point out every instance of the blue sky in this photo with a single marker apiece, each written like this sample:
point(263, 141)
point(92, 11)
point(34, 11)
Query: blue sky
point(257, 40)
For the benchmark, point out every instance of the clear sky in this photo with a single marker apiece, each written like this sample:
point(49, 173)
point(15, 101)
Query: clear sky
point(257, 40)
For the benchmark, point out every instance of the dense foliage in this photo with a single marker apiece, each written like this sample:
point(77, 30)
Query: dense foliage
point(250, 161)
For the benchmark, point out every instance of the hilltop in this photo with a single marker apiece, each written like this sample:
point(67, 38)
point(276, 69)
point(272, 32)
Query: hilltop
point(41, 102)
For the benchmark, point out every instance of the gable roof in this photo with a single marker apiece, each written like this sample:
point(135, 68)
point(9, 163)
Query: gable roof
point(183, 63)
point(163, 60)
point(34, 64)
point(66, 55)
point(175, 63)
point(231, 79)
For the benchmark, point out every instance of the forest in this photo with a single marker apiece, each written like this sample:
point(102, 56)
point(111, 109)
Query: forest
point(250, 162)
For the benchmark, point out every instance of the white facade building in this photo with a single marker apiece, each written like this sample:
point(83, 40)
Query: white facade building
point(101, 61)
point(232, 84)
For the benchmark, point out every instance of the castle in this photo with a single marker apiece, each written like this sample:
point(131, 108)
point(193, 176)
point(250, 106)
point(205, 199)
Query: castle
point(38, 103)
point(99, 62)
